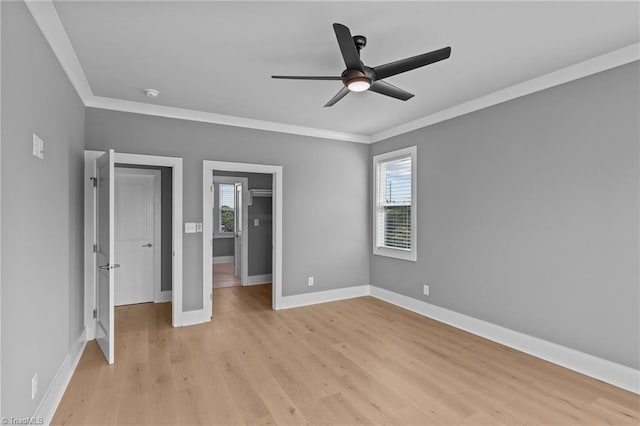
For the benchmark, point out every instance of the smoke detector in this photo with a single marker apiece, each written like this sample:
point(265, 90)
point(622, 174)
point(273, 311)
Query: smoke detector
point(152, 93)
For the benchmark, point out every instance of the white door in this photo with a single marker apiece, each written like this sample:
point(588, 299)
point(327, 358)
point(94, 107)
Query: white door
point(136, 247)
point(237, 255)
point(105, 254)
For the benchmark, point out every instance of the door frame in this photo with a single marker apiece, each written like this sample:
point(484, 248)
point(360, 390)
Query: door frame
point(177, 317)
point(245, 213)
point(208, 166)
point(156, 177)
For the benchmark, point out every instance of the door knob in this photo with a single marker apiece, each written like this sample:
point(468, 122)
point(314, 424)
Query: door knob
point(147, 245)
point(107, 266)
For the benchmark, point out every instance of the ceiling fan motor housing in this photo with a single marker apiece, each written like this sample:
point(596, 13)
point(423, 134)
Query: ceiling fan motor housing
point(351, 75)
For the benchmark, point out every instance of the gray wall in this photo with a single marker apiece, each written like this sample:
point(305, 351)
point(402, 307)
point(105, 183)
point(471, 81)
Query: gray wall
point(223, 246)
point(312, 171)
point(259, 237)
point(166, 215)
point(528, 215)
point(42, 212)
point(167, 227)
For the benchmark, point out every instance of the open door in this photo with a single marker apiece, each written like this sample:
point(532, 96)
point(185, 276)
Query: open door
point(238, 232)
point(105, 254)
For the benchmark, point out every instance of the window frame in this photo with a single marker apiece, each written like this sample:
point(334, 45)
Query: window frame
point(217, 181)
point(397, 253)
point(219, 208)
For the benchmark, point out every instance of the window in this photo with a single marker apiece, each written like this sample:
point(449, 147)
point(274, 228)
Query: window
point(227, 205)
point(395, 208)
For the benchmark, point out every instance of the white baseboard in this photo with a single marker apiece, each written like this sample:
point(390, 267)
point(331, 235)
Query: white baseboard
point(49, 402)
point(257, 279)
point(194, 317)
point(306, 299)
point(222, 259)
point(598, 368)
point(165, 296)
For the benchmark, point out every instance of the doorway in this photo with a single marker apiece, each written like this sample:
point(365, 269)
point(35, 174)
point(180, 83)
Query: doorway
point(274, 243)
point(143, 220)
point(229, 216)
point(100, 194)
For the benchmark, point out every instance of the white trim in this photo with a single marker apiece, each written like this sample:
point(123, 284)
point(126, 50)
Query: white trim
point(1, 215)
point(207, 175)
point(222, 259)
point(176, 166)
point(49, 402)
point(198, 316)
point(598, 368)
point(257, 279)
point(47, 19)
point(306, 299)
point(163, 296)
point(89, 228)
point(226, 120)
point(591, 66)
point(89, 239)
point(411, 255)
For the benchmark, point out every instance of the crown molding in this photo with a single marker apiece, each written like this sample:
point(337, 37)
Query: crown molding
point(595, 65)
point(48, 21)
point(227, 120)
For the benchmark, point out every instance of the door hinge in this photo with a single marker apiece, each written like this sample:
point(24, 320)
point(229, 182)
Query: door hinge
point(95, 248)
point(95, 313)
point(94, 181)
point(211, 296)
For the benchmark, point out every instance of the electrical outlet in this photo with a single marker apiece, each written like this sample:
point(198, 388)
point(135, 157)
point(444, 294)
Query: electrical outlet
point(425, 289)
point(34, 386)
point(310, 281)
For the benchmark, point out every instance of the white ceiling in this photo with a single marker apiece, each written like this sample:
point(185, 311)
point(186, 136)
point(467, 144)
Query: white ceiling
point(217, 57)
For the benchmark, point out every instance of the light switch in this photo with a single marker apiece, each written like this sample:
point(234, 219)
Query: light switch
point(38, 147)
point(256, 222)
point(189, 228)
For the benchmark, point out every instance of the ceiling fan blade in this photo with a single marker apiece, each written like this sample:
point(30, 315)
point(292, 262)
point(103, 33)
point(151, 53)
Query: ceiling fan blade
point(341, 94)
point(347, 47)
point(385, 88)
point(408, 64)
point(306, 77)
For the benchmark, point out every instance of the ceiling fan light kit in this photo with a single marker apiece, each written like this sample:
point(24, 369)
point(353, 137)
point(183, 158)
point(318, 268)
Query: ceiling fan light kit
point(358, 77)
point(356, 81)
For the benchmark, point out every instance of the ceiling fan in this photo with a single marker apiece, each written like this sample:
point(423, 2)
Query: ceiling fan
point(359, 77)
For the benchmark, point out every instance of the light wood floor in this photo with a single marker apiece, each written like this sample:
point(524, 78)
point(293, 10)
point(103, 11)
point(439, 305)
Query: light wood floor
point(223, 275)
point(349, 362)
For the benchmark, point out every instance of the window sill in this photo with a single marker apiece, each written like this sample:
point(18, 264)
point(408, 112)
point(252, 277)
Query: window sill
point(229, 235)
point(409, 255)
